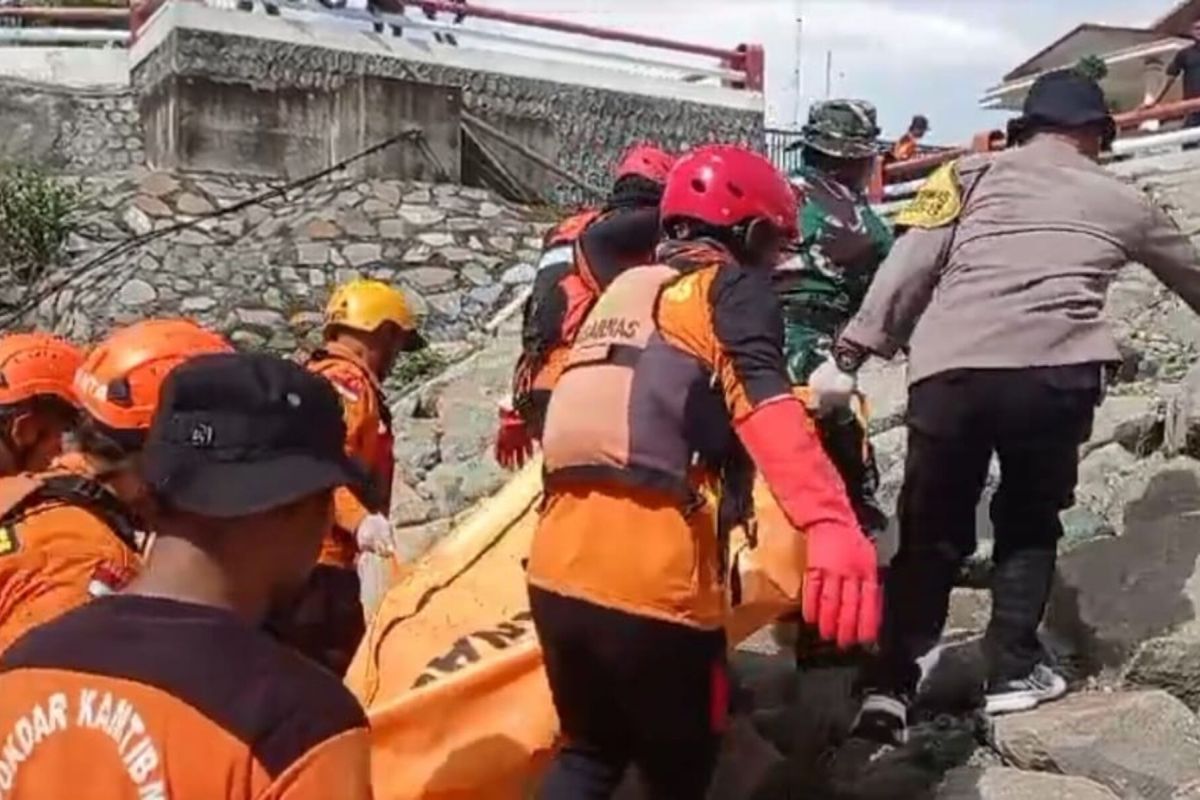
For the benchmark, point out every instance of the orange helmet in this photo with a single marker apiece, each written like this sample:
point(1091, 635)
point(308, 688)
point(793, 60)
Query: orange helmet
point(119, 381)
point(37, 365)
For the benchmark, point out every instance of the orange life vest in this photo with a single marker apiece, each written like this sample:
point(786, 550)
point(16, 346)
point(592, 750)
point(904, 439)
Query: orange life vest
point(64, 538)
point(548, 331)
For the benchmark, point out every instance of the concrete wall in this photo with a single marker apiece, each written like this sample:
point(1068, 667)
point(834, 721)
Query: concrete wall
point(580, 116)
point(193, 122)
point(73, 67)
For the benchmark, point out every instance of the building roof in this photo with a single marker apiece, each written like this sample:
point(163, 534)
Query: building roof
point(1179, 19)
point(1084, 40)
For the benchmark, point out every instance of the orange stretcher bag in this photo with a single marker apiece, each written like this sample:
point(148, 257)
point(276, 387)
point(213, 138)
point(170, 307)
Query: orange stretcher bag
point(450, 672)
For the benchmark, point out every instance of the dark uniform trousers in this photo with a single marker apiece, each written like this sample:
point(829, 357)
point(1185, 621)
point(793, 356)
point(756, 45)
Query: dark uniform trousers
point(630, 690)
point(1034, 421)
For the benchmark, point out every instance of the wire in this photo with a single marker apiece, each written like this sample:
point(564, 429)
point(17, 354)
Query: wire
point(134, 242)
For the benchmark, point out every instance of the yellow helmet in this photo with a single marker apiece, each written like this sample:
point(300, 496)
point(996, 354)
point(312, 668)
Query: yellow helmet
point(364, 305)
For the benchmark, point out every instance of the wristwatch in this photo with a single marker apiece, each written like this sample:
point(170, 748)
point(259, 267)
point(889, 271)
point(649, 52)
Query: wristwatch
point(848, 356)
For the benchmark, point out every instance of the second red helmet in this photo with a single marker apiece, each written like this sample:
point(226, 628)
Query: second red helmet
point(727, 185)
point(645, 161)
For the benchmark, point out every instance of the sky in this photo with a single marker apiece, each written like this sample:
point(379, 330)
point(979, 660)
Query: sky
point(906, 56)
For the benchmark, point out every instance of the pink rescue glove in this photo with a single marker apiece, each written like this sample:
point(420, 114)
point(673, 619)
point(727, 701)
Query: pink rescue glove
point(514, 445)
point(841, 587)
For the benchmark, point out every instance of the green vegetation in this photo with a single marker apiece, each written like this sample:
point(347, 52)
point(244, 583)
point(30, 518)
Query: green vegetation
point(1092, 67)
point(414, 367)
point(36, 216)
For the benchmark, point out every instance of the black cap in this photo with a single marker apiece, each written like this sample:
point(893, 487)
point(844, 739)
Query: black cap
point(1067, 99)
point(920, 122)
point(241, 433)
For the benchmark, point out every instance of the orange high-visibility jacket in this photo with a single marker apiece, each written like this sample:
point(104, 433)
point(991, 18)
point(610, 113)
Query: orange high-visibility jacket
point(368, 438)
point(64, 539)
point(147, 698)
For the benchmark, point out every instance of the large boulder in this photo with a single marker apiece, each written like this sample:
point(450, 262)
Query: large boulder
point(1170, 662)
point(1182, 423)
point(1113, 595)
point(1141, 745)
point(1006, 783)
point(1134, 421)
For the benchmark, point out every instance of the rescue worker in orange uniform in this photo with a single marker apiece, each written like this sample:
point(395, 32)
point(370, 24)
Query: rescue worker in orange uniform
point(37, 400)
point(581, 257)
point(77, 529)
point(170, 689)
point(676, 391)
point(368, 324)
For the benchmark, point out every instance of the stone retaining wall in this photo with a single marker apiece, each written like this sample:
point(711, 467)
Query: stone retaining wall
point(81, 131)
point(262, 275)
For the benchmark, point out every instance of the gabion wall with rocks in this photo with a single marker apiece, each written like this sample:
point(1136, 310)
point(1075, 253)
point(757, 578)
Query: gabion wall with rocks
point(75, 130)
point(588, 128)
point(263, 274)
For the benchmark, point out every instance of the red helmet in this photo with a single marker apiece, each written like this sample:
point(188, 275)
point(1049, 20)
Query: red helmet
point(726, 185)
point(646, 161)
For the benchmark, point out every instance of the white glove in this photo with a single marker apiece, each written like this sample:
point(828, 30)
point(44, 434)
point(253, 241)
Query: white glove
point(829, 388)
point(375, 535)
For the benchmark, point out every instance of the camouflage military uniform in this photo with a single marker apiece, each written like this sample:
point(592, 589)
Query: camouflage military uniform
point(843, 244)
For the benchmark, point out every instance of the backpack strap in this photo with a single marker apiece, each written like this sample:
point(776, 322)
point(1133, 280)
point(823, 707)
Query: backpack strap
point(70, 489)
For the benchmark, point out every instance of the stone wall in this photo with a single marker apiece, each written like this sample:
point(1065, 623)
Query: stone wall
point(263, 274)
point(75, 130)
point(581, 129)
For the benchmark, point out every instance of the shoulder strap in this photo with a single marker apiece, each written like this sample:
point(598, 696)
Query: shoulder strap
point(15, 494)
point(76, 490)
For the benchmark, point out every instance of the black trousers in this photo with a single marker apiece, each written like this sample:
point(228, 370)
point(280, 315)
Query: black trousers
point(630, 690)
point(1192, 121)
point(846, 443)
point(1034, 421)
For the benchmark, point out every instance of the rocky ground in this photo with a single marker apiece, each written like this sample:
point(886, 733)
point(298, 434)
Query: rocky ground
point(1123, 621)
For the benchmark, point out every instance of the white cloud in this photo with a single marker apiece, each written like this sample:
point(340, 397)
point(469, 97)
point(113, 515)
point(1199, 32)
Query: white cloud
point(935, 56)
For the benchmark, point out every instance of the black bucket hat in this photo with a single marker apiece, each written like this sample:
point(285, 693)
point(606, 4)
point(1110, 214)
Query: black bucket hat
point(237, 434)
point(1063, 99)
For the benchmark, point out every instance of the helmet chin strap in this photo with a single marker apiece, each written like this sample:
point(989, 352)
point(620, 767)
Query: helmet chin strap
point(12, 457)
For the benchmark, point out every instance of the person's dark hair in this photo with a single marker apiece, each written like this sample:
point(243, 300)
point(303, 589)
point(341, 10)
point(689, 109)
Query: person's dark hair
point(42, 405)
point(1022, 129)
point(634, 190)
point(919, 121)
point(735, 239)
point(94, 439)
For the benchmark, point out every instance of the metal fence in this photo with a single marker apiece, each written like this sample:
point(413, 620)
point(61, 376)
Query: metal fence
point(778, 142)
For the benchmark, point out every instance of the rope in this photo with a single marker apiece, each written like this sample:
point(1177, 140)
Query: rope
point(471, 120)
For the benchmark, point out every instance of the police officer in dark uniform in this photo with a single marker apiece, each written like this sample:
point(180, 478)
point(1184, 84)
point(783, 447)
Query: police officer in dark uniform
point(997, 290)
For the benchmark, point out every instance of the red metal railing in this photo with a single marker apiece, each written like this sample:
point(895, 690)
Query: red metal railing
point(562, 26)
point(66, 14)
point(1181, 108)
point(903, 171)
point(749, 60)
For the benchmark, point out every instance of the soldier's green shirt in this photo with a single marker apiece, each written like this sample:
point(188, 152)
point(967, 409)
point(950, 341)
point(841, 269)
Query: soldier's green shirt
point(843, 244)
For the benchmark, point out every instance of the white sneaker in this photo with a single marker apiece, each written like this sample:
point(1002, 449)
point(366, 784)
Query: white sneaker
point(883, 719)
point(1039, 686)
